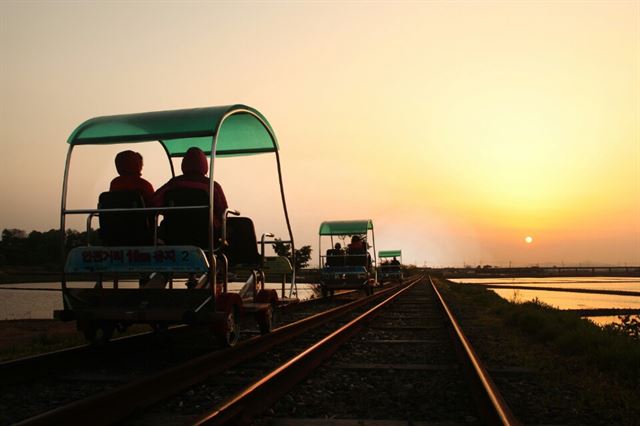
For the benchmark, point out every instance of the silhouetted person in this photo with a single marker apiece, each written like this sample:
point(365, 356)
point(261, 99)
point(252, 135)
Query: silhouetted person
point(194, 175)
point(356, 245)
point(335, 256)
point(129, 166)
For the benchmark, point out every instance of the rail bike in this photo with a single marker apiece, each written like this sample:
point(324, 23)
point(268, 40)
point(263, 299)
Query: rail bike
point(390, 268)
point(347, 266)
point(193, 261)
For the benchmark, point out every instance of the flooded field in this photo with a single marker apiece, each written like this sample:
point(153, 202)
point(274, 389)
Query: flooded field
point(39, 300)
point(568, 300)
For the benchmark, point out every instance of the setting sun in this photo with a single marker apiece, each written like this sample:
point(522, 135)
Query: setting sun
point(517, 108)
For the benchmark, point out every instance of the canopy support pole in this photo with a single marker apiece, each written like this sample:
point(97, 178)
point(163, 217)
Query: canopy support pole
point(166, 151)
point(63, 208)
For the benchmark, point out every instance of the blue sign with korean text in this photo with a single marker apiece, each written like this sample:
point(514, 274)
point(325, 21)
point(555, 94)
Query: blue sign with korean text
point(136, 259)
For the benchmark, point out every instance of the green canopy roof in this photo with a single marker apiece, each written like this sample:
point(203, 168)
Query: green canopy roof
point(241, 130)
point(389, 253)
point(346, 227)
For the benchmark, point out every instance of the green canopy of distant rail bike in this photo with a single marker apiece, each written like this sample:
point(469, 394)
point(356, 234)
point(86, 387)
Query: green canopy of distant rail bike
point(241, 130)
point(346, 227)
point(389, 253)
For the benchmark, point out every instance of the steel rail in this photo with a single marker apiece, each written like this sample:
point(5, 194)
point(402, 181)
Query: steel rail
point(26, 368)
point(116, 404)
point(259, 396)
point(486, 394)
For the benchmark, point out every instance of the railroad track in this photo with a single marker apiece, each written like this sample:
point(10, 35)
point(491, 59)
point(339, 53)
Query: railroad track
point(126, 392)
point(29, 368)
point(394, 362)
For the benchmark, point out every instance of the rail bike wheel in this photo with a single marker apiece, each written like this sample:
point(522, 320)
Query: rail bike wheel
point(230, 331)
point(266, 320)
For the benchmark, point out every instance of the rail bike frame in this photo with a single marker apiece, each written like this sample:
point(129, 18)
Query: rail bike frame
point(390, 272)
point(345, 275)
point(101, 309)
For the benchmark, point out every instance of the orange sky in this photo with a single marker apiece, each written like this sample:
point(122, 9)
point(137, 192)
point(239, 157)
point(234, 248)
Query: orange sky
point(458, 127)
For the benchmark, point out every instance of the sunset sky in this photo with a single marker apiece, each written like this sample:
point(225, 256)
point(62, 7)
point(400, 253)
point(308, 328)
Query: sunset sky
point(459, 127)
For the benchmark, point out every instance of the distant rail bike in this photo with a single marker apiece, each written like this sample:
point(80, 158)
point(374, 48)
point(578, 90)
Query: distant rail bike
point(351, 267)
point(192, 250)
point(390, 268)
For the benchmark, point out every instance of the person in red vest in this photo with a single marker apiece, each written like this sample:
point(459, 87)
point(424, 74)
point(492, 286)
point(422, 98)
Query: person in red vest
point(356, 245)
point(194, 175)
point(129, 166)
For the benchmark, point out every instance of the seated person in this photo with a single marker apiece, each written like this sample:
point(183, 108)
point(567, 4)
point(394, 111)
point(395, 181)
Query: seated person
point(194, 175)
point(395, 261)
point(336, 250)
point(129, 166)
point(356, 245)
point(356, 251)
point(335, 256)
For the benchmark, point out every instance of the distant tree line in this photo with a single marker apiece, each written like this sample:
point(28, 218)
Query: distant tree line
point(18, 248)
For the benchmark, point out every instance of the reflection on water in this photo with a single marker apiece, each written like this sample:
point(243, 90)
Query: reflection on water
point(594, 283)
point(604, 320)
point(40, 304)
point(562, 300)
